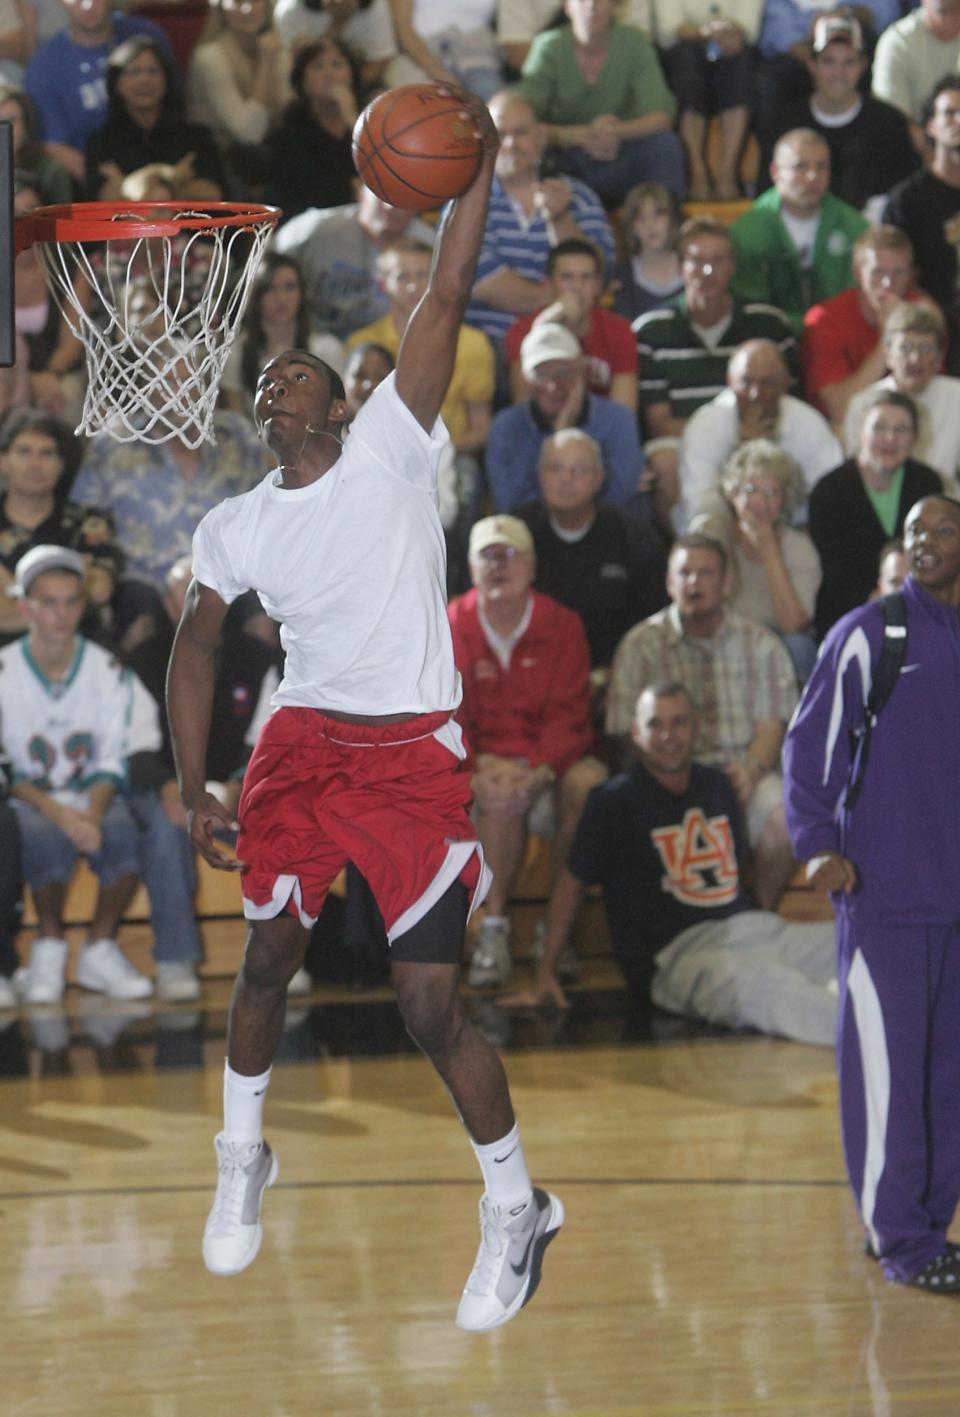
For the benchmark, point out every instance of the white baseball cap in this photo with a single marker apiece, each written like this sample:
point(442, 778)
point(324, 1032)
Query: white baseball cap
point(44, 558)
point(546, 342)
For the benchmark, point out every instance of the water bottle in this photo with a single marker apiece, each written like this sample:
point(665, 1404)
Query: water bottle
point(713, 50)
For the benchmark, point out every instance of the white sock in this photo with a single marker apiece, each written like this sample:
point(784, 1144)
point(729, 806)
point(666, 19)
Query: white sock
point(243, 1105)
point(504, 1168)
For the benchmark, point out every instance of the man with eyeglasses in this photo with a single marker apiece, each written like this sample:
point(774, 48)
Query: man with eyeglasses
point(794, 246)
point(525, 667)
point(915, 341)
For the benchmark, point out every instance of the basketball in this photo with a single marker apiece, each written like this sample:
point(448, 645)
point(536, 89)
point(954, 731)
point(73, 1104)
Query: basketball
point(414, 148)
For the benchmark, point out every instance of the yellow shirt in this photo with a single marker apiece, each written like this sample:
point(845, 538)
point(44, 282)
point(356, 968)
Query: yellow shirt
point(473, 375)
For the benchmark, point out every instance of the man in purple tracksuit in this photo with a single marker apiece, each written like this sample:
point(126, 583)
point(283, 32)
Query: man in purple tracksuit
point(892, 865)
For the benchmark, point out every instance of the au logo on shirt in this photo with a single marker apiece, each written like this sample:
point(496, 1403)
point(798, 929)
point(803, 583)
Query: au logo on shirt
point(698, 859)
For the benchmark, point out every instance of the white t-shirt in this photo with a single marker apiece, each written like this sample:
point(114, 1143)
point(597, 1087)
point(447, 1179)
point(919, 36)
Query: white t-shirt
point(353, 566)
point(66, 735)
point(369, 33)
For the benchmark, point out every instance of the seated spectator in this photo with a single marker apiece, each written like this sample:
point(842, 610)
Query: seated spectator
point(38, 460)
point(452, 43)
point(650, 276)
point(912, 56)
point(246, 677)
point(145, 129)
point(708, 58)
point(915, 340)
point(794, 246)
point(668, 830)
point(598, 88)
point(337, 250)
point(18, 39)
point(53, 182)
point(892, 569)
point(754, 405)
point(276, 319)
point(741, 683)
point(311, 164)
point(606, 566)
point(575, 280)
point(775, 569)
point(783, 73)
point(842, 347)
point(55, 359)
point(525, 713)
point(869, 140)
point(685, 348)
point(11, 893)
point(926, 205)
point(238, 85)
point(365, 26)
point(64, 703)
point(520, 21)
point(861, 504)
point(529, 214)
point(554, 369)
point(66, 78)
point(367, 366)
point(156, 493)
point(467, 410)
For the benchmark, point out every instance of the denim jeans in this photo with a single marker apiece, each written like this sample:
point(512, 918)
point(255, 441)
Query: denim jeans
point(170, 876)
point(49, 855)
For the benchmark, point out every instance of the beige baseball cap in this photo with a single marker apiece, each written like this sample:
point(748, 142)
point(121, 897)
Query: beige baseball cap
point(500, 531)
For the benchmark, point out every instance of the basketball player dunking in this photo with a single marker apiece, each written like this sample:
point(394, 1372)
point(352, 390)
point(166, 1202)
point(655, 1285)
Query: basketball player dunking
point(361, 759)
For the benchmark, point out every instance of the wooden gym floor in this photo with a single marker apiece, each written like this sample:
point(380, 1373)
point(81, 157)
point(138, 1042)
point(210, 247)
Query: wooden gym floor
point(710, 1264)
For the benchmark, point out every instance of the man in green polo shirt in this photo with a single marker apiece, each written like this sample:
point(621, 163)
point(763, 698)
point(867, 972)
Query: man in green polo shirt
point(794, 245)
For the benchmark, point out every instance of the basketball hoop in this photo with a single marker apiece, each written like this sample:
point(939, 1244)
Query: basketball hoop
point(155, 292)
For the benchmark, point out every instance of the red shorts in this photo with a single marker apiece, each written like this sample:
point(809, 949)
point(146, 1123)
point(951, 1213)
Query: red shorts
point(391, 798)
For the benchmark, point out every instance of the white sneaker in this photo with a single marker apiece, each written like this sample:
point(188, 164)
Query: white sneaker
point(507, 1271)
point(8, 995)
point(300, 984)
point(568, 967)
point(43, 980)
point(233, 1231)
point(490, 963)
point(104, 968)
point(177, 983)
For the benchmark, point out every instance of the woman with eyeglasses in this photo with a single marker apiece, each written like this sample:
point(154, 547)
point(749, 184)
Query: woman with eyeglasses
point(775, 568)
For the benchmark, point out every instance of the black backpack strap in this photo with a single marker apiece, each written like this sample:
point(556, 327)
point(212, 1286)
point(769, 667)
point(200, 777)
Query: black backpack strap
point(893, 652)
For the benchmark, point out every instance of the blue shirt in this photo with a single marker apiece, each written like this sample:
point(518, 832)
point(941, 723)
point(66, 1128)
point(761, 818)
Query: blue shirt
point(511, 242)
point(516, 437)
point(68, 81)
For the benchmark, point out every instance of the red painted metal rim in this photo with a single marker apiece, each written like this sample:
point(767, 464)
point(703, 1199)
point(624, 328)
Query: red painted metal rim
point(113, 221)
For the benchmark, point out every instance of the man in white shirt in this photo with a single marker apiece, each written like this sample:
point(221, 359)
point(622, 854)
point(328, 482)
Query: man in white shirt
point(361, 760)
point(755, 404)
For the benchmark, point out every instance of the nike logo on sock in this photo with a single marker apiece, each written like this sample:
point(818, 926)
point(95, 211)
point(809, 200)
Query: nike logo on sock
point(499, 1160)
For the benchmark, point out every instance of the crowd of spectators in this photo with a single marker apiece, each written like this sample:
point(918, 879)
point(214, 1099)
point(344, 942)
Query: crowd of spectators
point(708, 364)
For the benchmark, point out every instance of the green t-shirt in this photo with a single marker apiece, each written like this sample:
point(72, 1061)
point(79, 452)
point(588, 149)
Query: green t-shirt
point(887, 504)
point(630, 84)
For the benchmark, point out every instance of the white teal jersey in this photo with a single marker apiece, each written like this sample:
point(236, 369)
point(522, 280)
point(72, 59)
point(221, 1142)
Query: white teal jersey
point(64, 736)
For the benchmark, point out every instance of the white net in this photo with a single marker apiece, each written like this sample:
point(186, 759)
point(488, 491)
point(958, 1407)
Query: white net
point(157, 316)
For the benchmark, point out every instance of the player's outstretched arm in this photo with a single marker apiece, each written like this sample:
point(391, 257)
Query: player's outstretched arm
point(190, 682)
point(429, 347)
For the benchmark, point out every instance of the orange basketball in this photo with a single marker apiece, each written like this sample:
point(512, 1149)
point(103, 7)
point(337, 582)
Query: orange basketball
point(414, 147)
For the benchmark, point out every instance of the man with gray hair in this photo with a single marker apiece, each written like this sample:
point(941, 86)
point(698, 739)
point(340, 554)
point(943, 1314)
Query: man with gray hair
point(755, 404)
point(525, 712)
point(607, 566)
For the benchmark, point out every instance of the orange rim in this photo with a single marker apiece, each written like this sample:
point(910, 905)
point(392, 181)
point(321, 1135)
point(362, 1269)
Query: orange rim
point(115, 221)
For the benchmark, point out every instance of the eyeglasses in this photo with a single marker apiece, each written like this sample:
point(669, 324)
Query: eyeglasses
point(926, 347)
point(498, 552)
point(757, 489)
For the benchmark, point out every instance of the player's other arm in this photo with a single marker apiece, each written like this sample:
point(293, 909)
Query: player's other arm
point(190, 682)
point(429, 347)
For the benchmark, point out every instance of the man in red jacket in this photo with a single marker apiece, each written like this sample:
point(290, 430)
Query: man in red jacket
point(525, 713)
